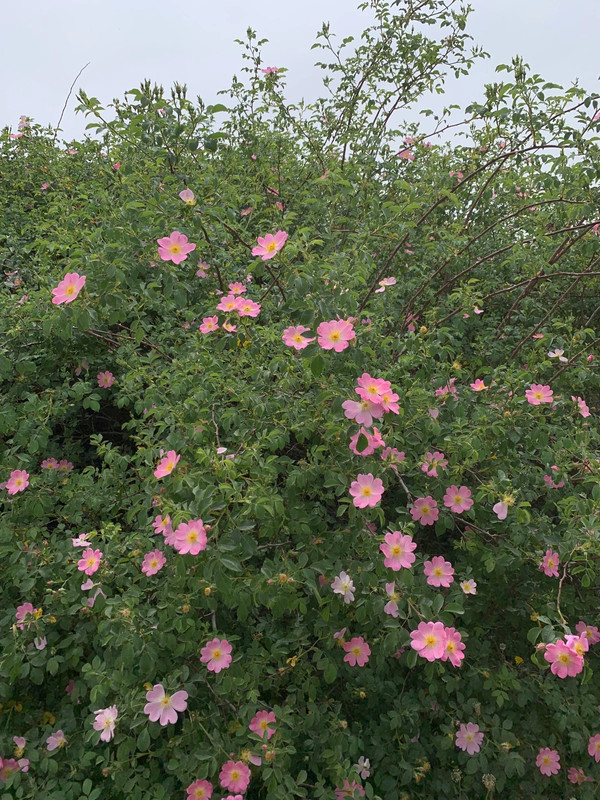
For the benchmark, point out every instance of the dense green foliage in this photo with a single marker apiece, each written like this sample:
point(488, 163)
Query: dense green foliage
point(500, 220)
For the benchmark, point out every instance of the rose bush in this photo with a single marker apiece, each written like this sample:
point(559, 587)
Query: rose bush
point(257, 553)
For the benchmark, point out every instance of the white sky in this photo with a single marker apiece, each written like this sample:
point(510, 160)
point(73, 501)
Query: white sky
point(46, 42)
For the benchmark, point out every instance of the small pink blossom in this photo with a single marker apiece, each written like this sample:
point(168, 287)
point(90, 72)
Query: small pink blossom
point(500, 509)
point(539, 394)
point(343, 584)
point(190, 537)
point(363, 412)
point(81, 541)
point(40, 642)
point(229, 303)
point(167, 464)
point(68, 289)
point(247, 307)
point(594, 746)
point(357, 651)
point(564, 661)
point(591, 632)
point(162, 707)
point(429, 640)
point(439, 572)
point(248, 210)
point(391, 607)
point(548, 761)
point(209, 324)
point(56, 740)
point(259, 724)
point(235, 776)
point(89, 561)
point(469, 586)
point(478, 386)
point(49, 463)
point(384, 283)
point(199, 790)
point(153, 562)
point(458, 500)
point(453, 648)
point(349, 790)
point(105, 379)
point(335, 335)
point(393, 456)
point(373, 442)
point(216, 655)
point(116, 166)
point(161, 523)
point(203, 268)
point(64, 465)
point(433, 462)
point(175, 247)
point(18, 481)
point(583, 406)
point(237, 288)
point(269, 245)
point(558, 354)
point(105, 722)
point(292, 337)
point(269, 70)
point(44, 186)
point(188, 197)
point(398, 549)
point(550, 564)
point(9, 765)
point(406, 154)
point(577, 775)
point(229, 327)
point(469, 738)
point(21, 614)
point(366, 490)
point(425, 510)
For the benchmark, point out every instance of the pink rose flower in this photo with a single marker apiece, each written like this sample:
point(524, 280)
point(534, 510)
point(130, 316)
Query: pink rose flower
point(18, 481)
point(550, 564)
point(259, 724)
point(269, 245)
point(357, 651)
point(89, 561)
point(366, 490)
point(469, 738)
point(162, 707)
point(398, 549)
point(153, 562)
point(68, 289)
point(105, 379)
point(335, 335)
point(433, 462)
point(209, 324)
point(453, 648)
point(439, 572)
point(105, 722)
point(594, 747)
point(175, 247)
point(539, 394)
point(429, 640)
point(216, 655)
point(458, 500)
point(548, 761)
point(293, 337)
point(425, 510)
point(235, 776)
point(190, 537)
point(167, 464)
point(56, 740)
point(188, 197)
point(247, 307)
point(564, 660)
point(583, 406)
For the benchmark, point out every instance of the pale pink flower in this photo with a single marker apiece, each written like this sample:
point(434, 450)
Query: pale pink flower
point(583, 406)
point(391, 607)
point(64, 465)
point(49, 463)
point(366, 490)
point(116, 166)
point(357, 651)
point(40, 642)
point(550, 564)
point(209, 324)
point(269, 245)
point(469, 586)
point(175, 247)
point(343, 584)
point(447, 391)
point(18, 481)
point(349, 790)
point(398, 549)
point(202, 269)
point(216, 655)
point(458, 175)
point(453, 648)
point(406, 154)
point(393, 456)
point(539, 394)
point(161, 523)
point(385, 282)
point(363, 767)
point(477, 310)
point(229, 327)
point(580, 644)
point(558, 354)
point(373, 389)
point(338, 634)
point(81, 540)
point(247, 307)
point(269, 70)
point(458, 500)
point(292, 337)
point(429, 640)
point(68, 289)
point(199, 790)
point(259, 724)
point(20, 742)
point(229, 303)
point(279, 205)
point(9, 765)
point(89, 561)
point(248, 210)
point(362, 412)
point(105, 722)
point(591, 632)
point(373, 442)
point(478, 386)
point(577, 775)
point(56, 740)
point(153, 562)
point(439, 572)
point(105, 379)
point(594, 746)
point(44, 186)
point(548, 761)
point(21, 614)
point(432, 462)
point(162, 707)
point(500, 509)
point(188, 197)
point(190, 537)
point(469, 738)
point(237, 288)
point(167, 464)
point(564, 661)
point(335, 334)
point(425, 510)
point(235, 776)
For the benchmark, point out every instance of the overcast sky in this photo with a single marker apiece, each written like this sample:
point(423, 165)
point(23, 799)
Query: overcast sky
point(46, 42)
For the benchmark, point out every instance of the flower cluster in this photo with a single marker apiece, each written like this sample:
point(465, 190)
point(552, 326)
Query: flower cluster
point(433, 641)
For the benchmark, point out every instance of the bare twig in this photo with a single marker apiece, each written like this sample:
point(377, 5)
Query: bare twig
point(62, 113)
